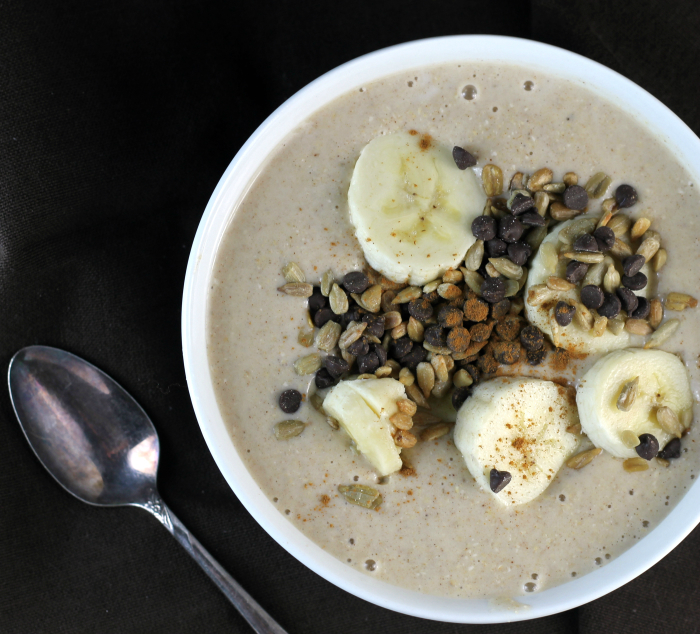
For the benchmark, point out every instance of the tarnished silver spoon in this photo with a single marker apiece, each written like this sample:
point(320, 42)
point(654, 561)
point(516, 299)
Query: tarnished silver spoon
point(98, 443)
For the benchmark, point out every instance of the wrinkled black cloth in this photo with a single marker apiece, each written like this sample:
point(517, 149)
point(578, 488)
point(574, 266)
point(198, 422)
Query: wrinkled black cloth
point(117, 119)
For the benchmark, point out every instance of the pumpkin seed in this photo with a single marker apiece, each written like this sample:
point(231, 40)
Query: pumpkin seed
point(598, 184)
point(306, 337)
point(317, 402)
point(611, 280)
point(629, 439)
point(475, 254)
point(558, 284)
point(639, 228)
point(372, 298)
point(360, 495)
point(352, 333)
point(440, 368)
point(473, 280)
point(401, 420)
point(620, 225)
point(492, 179)
point(407, 294)
point(539, 294)
point(600, 323)
point(541, 203)
point(616, 325)
point(560, 212)
point(310, 364)
point(583, 317)
point(584, 458)
point(669, 422)
point(570, 178)
point(584, 256)
point(297, 289)
point(406, 406)
point(656, 313)
point(406, 377)
point(512, 288)
point(663, 333)
point(632, 465)
point(414, 393)
point(556, 188)
point(434, 432)
point(638, 327)
point(507, 268)
point(680, 301)
point(414, 330)
point(452, 277)
point(628, 395)
point(338, 300)
point(449, 291)
point(292, 273)
point(327, 281)
point(288, 429)
point(660, 260)
point(432, 286)
point(462, 378)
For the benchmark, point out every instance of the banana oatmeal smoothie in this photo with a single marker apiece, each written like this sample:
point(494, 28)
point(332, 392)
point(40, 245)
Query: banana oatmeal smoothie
point(452, 330)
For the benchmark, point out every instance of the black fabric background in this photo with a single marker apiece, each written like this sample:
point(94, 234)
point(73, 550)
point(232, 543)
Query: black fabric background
point(117, 119)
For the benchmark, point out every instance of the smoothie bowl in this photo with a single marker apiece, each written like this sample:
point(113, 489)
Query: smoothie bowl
point(440, 334)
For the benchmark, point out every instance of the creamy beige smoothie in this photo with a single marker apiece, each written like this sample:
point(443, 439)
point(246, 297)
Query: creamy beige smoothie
point(437, 532)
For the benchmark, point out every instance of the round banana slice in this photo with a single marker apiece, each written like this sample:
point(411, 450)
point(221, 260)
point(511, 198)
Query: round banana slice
point(662, 382)
point(517, 425)
point(412, 207)
point(545, 264)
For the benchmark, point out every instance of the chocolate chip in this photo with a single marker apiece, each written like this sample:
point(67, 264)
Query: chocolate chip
point(324, 379)
point(413, 358)
point(463, 159)
point(510, 229)
point(336, 366)
point(474, 372)
point(532, 219)
point(592, 296)
point(508, 328)
point(576, 271)
point(450, 316)
point(636, 282)
point(610, 307)
point(401, 347)
point(532, 338)
point(432, 297)
point(648, 447)
point(672, 450)
point(498, 480)
point(480, 332)
point(367, 363)
point(353, 314)
point(632, 264)
point(519, 252)
point(506, 352)
point(520, 204)
point(323, 315)
point(317, 300)
point(564, 313)
point(575, 197)
point(535, 357)
point(626, 196)
point(628, 299)
point(500, 309)
point(484, 228)
point(493, 290)
point(643, 308)
point(420, 309)
point(605, 237)
point(435, 336)
point(459, 395)
point(375, 324)
point(586, 242)
point(290, 401)
point(458, 339)
point(475, 309)
point(496, 248)
point(356, 282)
point(381, 353)
point(359, 347)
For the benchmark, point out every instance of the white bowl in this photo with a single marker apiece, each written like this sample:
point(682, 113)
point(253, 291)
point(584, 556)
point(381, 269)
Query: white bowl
point(234, 185)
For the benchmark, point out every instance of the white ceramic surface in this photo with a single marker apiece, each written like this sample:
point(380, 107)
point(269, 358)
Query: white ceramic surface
point(233, 186)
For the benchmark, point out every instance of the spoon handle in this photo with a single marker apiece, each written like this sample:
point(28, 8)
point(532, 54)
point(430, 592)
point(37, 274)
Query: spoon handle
point(256, 616)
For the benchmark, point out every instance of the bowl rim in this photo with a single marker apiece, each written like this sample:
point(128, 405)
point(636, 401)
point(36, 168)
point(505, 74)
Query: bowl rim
point(233, 186)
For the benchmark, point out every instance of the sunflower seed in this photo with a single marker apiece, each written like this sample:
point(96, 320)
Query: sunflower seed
point(475, 255)
point(449, 291)
point(558, 284)
point(452, 277)
point(473, 280)
point(583, 317)
point(383, 371)
point(297, 289)
point(620, 225)
point(441, 388)
point(570, 178)
point(414, 393)
point(352, 333)
point(581, 460)
point(611, 280)
point(423, 417)
point(662, 462)
point(680, 301)
point(512, 288)
point(372, 298)
point(399, 331)
point(425, 376)
point(338, 300)
point(506, 268)
point(462, 378)
point(556, 188)
point(604, 219)
point(629, 439)
point(360, 494)
point(599, 325)
point(663, 333)
point(576, 229)
point(392, 319)
point(306, 337)
point(400, 420)
point(559, 211)
point(415, 330)
point(317, 402)
point(387, 298)
point(332, 423)
point(586, 257)
point(517, 304)
point(539, 179)
point(350, 358)
point(405, 439)
point(597, 185)
point(628, 395)
point(440, 368)
point(555, 329)
point(609, 206)
point(406, 406)
point(656, 313)
point(541, 203)
point(310, 364)
point(632, 465)
point(366, 375)
point(669, 422)
point(491, 270)
point(406, 377)
point(327, 281)
point(434, 432)
point(638, 327)
point(595, 274)
point(407, 294)
point(639, 228)
point(616, 325)
point(492, 178)
point(518, 181)
point(539, 294)
point(660, 260)
point(288, 429)
point(292, 273)
point(649, 247)
point(432, 286)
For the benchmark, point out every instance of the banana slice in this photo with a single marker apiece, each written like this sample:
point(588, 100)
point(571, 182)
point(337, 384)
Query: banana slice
point(517, 425)
point(363, 409)
point(663, 381)
point(573, 338)
point(412, 208)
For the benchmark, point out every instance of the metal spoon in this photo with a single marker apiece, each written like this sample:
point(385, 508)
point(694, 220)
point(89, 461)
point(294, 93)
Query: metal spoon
point(98, 443)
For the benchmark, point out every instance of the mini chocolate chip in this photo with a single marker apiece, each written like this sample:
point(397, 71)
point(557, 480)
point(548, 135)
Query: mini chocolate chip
point(375, 325)
point(510, 229)
point(420, 309)
point(474, 372)
point(496, 248)
point(317, 300)
point(628, 299)
point(636, 282)
point(498, 480)
point(506, 352)
point(458, 339)
point(586, 242)
point(323, 315)
point(626, 196)
point(564, 313)
point(359, 347)
point(500, 309)
point(353, 314)
point(435, 336)
point(290, 401)
point(520, 204)
point(450, 316)
point(605, 237)
point(643, 308)
point(672, 450)
point(519, 252)
point(632, 264)
point(432, 297)
point(576, 271)
point(463, 159)
point(484, 228)
point(459, 395)
point(401, 347)
point(324, 379)
point(575, 197)
point(356, 282)
point(336, 366)
point(648, 447)
point(532, 219)
point(413, 358)
point(592, 296)
point(381, 353)
point(367, 363)
point(532, 338)
point(493, 290)
point(610, 307)
point(535, 357)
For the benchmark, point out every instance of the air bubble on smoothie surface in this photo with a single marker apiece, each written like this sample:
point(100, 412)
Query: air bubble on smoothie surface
point(528, 85)
point(410, 84)
point(371, 565)
point(598, 561)
point(469, 92)
point(530, 586)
